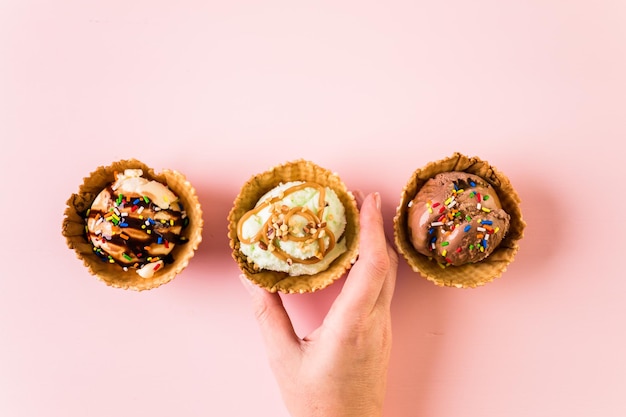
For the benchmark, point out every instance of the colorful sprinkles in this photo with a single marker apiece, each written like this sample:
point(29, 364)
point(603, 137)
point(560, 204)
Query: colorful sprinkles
point(450, 217)
point(131, 223)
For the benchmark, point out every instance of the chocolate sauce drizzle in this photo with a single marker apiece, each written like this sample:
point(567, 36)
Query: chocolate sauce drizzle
point(136, 228)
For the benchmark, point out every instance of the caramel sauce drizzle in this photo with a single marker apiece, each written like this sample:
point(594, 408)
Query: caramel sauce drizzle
point(277, 227)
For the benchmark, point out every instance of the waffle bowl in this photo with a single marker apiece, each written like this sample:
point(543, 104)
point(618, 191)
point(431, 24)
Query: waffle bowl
point(256, 187)
point(468, 275)
point(112, 274)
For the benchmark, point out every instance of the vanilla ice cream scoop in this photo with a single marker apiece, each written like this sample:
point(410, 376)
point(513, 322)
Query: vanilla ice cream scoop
point(136, 222)
point(294, 228)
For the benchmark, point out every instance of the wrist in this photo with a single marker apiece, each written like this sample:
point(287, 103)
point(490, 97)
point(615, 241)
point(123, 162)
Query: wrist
point(330, 410)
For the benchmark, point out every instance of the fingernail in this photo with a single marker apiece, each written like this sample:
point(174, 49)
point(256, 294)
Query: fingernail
point(377, 200)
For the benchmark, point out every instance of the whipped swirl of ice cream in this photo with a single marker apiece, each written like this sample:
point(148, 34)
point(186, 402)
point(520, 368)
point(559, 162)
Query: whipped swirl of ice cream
point(136, 223)
point(294, 228)
point(456, 218)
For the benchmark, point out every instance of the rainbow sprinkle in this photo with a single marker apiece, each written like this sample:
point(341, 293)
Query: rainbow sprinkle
point(449, 216)
point(124, 214)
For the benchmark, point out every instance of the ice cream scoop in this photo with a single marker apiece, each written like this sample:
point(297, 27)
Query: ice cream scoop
point(295, 228)
point(136, 223)
point(456, 218)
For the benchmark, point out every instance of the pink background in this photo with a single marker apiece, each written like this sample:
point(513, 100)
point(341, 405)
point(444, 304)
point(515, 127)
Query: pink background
point(371, 90)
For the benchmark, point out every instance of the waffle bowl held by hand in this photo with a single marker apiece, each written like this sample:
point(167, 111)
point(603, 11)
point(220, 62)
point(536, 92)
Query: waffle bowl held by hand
point(469, 275)
point(74, 226)
point(257, 188)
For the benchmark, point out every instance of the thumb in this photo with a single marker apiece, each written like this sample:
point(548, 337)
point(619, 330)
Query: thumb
point(274, 322)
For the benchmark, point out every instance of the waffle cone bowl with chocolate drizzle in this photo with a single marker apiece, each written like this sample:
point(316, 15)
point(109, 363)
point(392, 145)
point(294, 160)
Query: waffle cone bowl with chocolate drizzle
point(472, 274)
point(113, 274)
point(255, 188)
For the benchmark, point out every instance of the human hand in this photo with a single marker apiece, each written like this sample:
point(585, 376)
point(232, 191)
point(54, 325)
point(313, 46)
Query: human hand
point(340, 369)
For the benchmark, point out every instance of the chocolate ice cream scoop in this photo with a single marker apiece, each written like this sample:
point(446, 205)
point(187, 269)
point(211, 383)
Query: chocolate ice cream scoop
point(456, 218)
